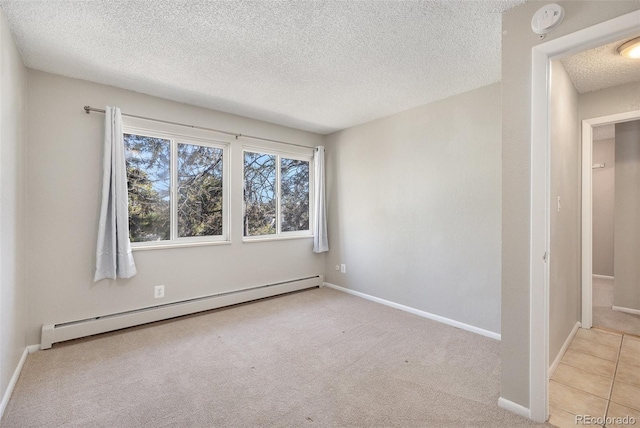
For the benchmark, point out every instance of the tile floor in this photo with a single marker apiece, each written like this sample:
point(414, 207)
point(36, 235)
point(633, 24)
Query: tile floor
point(599, 375)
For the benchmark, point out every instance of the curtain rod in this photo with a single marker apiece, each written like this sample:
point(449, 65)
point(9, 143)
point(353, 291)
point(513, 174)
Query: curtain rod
point(89, 109)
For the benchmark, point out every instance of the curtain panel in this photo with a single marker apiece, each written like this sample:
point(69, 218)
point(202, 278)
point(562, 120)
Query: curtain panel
point(113, 253)
point(320, 241)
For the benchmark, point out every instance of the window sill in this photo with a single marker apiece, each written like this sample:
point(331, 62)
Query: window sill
point(247, 240)
point(179, 245)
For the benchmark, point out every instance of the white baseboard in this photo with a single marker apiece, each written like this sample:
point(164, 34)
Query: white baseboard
point(626, 310)
point(602, 276)
point(418, 312)
point(514, 408)
point(12, 382)
point(565, 345)
point(33, 348)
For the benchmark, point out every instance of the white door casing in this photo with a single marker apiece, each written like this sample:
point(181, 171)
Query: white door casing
point(542, 55)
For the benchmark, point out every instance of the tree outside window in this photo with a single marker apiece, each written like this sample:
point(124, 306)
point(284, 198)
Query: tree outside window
point(276, 194)
point(157, 169)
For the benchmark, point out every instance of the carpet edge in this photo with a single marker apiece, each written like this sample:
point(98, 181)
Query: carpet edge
point(424, 314)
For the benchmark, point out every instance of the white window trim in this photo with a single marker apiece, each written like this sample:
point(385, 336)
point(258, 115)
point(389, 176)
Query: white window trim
point(284, 237)
point(195, 138)
point(159, 245)
point(280, 235)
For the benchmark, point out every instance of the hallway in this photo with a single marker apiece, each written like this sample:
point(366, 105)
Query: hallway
point(604, 316)
point(598, 376)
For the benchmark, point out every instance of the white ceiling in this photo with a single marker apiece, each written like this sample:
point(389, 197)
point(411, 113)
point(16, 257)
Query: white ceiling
point(601, 68)
point(319, 65)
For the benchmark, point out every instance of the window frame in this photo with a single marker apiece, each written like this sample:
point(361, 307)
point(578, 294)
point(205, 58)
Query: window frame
point(279, 154)
point(192, 138)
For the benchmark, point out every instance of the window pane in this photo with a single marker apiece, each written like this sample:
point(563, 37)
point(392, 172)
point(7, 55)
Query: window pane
point(259, 194)
point(294, 185)
point(199, 190)
point(148, 183)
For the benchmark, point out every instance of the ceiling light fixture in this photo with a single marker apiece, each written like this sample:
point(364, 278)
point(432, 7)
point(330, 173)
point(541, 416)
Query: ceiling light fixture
point(630, 49)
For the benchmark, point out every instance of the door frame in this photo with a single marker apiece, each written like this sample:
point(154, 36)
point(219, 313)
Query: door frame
point(587, 206)
point(542, 55)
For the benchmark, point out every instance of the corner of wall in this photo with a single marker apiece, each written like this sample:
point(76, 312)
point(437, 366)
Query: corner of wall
point(13, 128)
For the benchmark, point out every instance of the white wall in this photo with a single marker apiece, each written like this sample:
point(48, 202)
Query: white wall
point(64, 160)
point(13, 77)
point(414, 208)
point(565, 250)
point(614, 100)
point(517, 41)
point(605, 102)
point(626, 292)
point(603, 182)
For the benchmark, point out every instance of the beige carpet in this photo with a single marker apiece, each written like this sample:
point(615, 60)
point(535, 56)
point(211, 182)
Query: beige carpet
point(604, 316)
point(313, 358)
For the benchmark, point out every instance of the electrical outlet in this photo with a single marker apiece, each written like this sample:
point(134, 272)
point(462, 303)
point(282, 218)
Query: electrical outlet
point(158, 292)
point(343, 268)
point(337, 267)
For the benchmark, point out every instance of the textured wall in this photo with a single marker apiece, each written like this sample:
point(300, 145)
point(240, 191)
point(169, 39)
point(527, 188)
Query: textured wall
point(13, 77)
point(414, 208)
point(565, 250)
point(603, 181)
point(64, 164)
point(626, 292)
point(517, 41)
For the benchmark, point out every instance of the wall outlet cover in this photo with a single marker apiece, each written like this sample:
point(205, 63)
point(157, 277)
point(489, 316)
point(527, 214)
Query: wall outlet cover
point(158, 291)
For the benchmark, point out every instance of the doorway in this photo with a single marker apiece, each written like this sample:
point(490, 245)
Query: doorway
point(542, 55)
point(608, 318)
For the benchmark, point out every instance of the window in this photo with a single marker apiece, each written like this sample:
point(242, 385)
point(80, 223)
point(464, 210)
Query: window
point(177, 188)
point(276, 194)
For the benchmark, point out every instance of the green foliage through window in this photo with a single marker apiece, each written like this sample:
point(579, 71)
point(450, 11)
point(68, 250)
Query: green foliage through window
point(198, 188)
point(148, 185)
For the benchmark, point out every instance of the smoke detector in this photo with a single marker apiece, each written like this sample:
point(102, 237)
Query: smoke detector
point(547, 18)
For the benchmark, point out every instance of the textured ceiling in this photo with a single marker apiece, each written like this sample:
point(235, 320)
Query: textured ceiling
point(314, 65)
point(601, 68)
point(604, 132)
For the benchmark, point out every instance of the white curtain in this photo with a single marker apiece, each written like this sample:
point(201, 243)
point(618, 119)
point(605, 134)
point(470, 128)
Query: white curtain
point(113, 253)
point(320, 241)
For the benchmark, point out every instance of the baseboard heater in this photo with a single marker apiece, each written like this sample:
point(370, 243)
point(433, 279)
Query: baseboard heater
point(54, 333)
